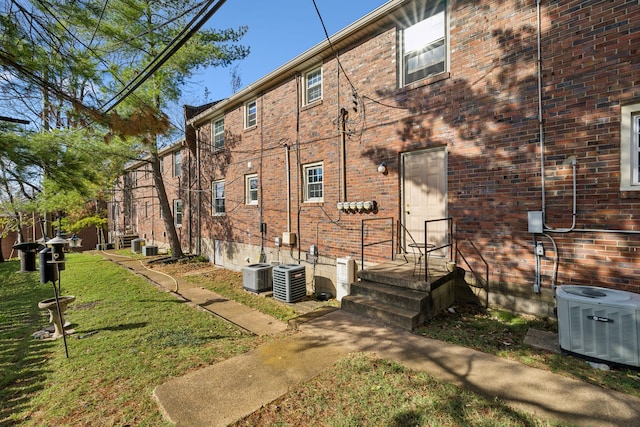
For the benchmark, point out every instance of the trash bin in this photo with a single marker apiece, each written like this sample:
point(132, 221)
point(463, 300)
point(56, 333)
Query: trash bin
point(28, 252)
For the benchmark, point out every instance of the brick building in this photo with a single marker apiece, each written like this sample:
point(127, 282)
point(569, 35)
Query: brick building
point(517, 119)
point(134, 210)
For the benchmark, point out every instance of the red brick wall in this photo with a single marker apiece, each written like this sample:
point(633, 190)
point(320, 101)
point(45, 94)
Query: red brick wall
point(485, 112)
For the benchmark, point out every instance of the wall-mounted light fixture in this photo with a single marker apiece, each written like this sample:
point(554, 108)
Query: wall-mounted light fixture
point(249, 165)
point(382, 168)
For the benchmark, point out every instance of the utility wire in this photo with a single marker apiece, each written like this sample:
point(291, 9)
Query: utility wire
point(166, 54)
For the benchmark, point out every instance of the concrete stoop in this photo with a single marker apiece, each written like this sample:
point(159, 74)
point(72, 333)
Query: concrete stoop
point(401, 307)
point(395, 293)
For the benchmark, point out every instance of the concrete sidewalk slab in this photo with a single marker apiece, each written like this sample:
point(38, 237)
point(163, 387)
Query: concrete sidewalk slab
point(233, 389)
point(232, 311)
point(228, 391)
point(536, 391)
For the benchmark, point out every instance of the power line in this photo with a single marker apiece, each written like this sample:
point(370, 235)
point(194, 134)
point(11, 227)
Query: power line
point(184, 36)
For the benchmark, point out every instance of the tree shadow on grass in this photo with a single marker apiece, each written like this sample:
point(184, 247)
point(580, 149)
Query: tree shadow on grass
point(23, 371)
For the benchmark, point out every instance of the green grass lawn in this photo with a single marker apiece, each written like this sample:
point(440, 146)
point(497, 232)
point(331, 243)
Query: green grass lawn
point(130, 337)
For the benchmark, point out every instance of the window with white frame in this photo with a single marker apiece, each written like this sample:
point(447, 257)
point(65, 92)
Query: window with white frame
point(176, 163)
point(313, 182)
point(161, 160)
point(630, 147)
point(313, 86)
point(217, 134)
point(251, 189)
point(424, 43)
point(217, 190)
point(250, 114)
point(177, 212)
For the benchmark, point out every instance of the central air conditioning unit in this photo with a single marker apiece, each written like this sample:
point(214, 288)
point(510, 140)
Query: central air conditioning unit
point(257, 277)
point(289, 282)
point(599, 323)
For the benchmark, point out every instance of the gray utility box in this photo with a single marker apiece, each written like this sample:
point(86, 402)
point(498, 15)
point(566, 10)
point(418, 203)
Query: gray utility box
point(149, 250)
point(257, 278)
point(289, 282)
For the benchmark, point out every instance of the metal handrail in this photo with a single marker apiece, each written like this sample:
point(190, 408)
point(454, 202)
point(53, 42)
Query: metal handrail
point(477, 277)
point(362, 233)
point(428, 249)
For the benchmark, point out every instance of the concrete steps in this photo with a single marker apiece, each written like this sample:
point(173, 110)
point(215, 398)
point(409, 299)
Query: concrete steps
point(389, 304)
point(396, 294)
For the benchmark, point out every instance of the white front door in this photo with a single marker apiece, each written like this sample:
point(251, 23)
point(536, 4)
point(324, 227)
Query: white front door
point(424, 184)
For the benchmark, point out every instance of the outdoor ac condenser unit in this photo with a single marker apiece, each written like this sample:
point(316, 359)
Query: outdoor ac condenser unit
point(599, 323)
point(289, 282)
point(257, 277)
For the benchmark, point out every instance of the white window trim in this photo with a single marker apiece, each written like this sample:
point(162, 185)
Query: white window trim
point(176, 166)
point(177, 202)
point(213, 133)
point(247, 191)
point(402, 53)
point(629, 179)
point(305, 168)
point(246, 114)
point(213, 198)
point(305, 93)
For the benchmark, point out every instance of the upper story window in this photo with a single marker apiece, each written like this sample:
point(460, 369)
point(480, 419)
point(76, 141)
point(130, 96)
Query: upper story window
point(313, 182)
point(250, 114)
point(630, 147)
point(217, 190)
point(251, 189)
point(424, 43)
point(176, 163)
point(313, 86)
point(177, 212)
point(217, 134)
point(161, 161)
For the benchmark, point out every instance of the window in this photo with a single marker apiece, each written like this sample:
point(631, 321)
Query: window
point(146, 209)
point(251, 189)
point(313, 182)
point(176, 163)
point(313, 86)
point(217, 190)
point(177, 212)
point(217, 130)
point(250, 114)
point(630, 147)
point(424, 45)
point(161, 160)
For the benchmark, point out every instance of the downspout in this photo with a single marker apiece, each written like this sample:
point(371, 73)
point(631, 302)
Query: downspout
point(263, 230)
point(199, 197)
point(287, 171)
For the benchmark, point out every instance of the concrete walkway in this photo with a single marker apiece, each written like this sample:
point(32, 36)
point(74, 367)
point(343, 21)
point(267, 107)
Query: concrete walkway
point(225, 392)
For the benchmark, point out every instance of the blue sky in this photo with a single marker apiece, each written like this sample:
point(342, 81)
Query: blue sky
point(279, 30)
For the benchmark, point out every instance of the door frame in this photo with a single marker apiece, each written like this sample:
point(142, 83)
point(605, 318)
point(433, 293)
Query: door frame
point(403, 192)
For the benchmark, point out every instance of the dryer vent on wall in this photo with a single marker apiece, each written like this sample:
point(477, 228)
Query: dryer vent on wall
point(599, 323)
point(289, 282)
